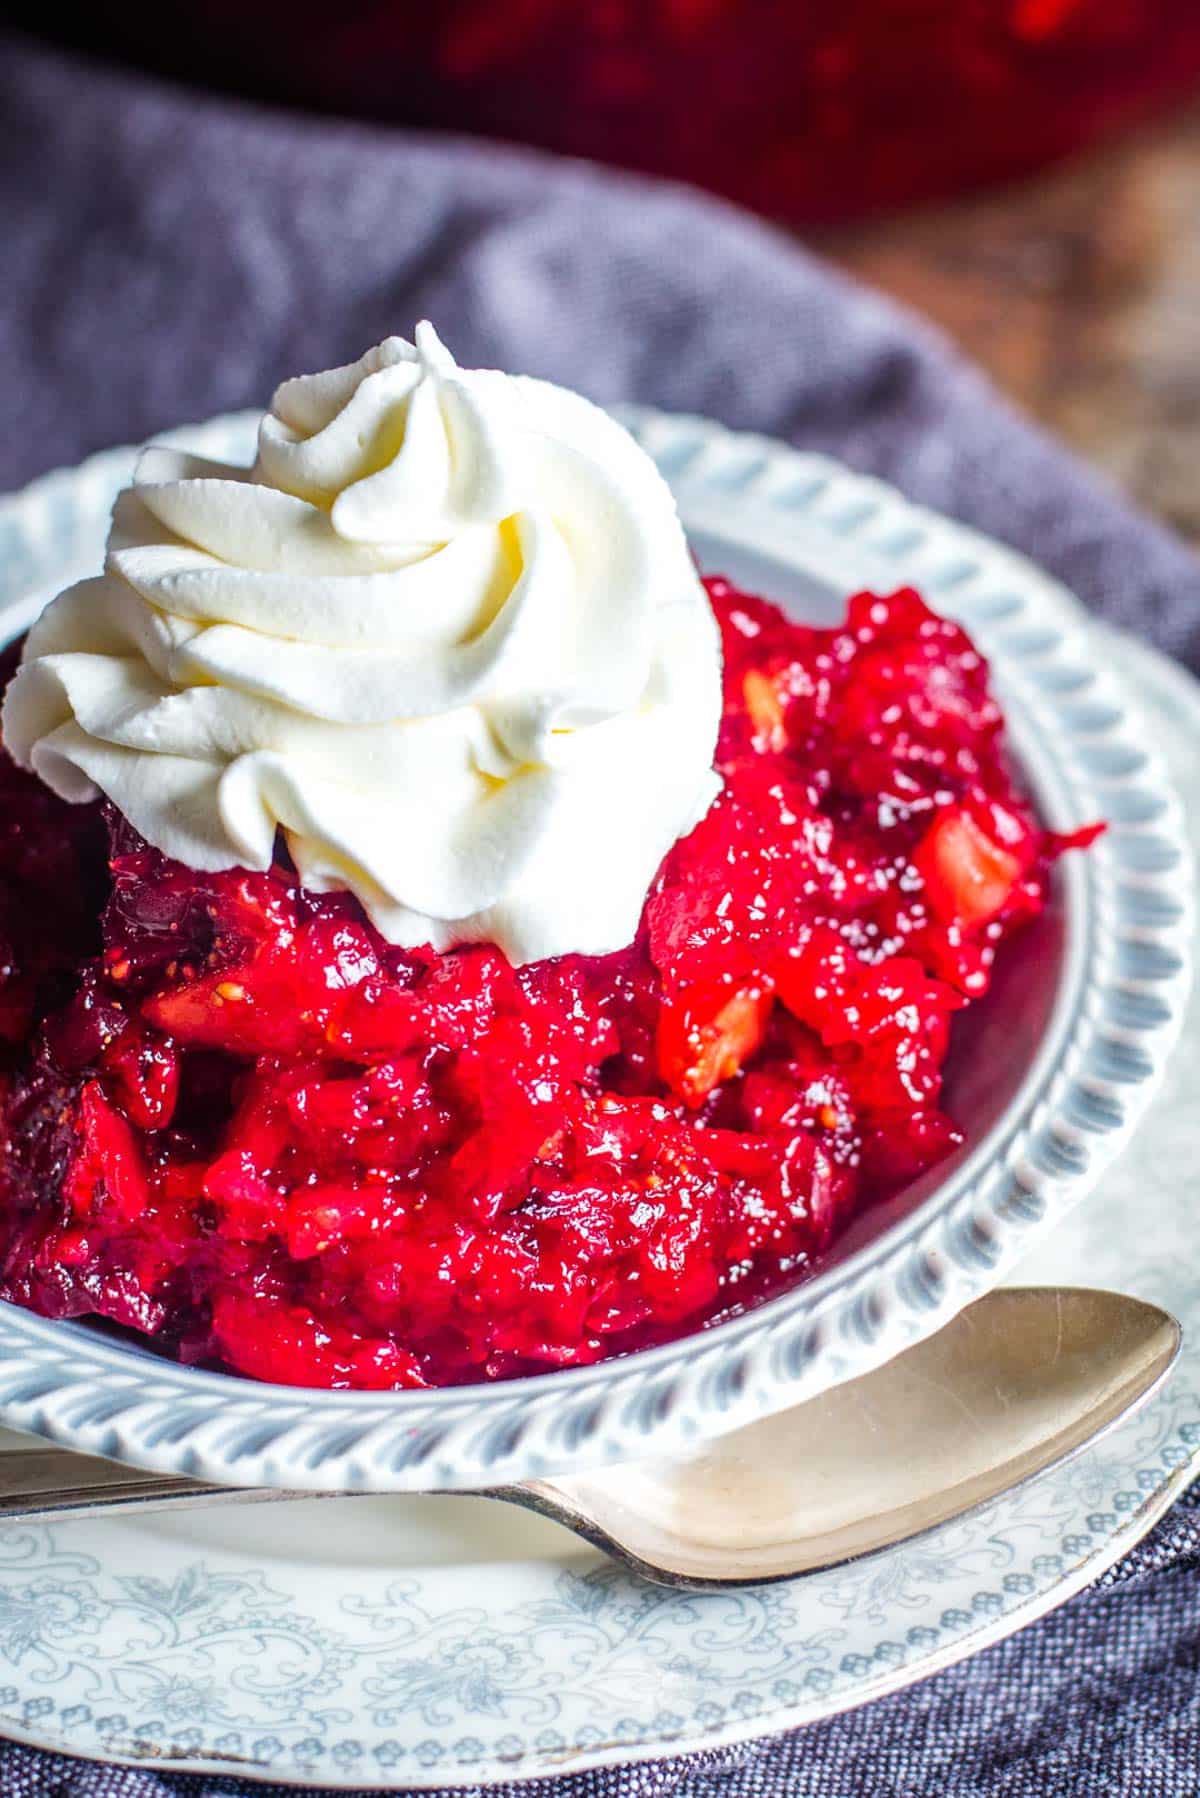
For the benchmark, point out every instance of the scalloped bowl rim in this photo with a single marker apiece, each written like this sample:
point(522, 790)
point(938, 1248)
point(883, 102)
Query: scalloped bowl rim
point(64, 1380)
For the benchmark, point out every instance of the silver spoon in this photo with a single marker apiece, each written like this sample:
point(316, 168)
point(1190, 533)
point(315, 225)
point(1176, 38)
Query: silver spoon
point(1017, 1383)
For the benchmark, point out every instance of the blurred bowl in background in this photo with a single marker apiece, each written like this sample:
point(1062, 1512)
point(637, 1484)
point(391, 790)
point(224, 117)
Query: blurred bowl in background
point(811, 110)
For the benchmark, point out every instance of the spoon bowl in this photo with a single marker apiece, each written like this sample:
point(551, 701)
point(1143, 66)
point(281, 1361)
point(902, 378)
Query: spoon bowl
point(1015, 1384)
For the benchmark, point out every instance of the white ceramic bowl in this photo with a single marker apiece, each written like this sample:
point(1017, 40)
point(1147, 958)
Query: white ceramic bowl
point(1049, 1076)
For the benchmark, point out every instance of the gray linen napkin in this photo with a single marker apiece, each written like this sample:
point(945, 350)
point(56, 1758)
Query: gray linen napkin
point(166, 257)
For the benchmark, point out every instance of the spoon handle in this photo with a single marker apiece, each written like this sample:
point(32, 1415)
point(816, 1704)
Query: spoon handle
point(43, 1482)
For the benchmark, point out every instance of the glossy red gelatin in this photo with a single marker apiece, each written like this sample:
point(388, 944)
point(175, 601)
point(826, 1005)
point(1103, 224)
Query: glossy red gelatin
point(237, 1120)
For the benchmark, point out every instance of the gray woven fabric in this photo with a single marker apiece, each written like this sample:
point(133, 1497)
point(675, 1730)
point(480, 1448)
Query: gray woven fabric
point(167, 257)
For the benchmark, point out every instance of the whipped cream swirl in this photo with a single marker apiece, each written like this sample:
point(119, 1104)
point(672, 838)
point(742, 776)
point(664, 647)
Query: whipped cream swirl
point(445, 634)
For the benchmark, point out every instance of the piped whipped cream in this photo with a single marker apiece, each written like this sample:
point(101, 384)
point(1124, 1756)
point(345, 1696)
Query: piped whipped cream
point(445, 634)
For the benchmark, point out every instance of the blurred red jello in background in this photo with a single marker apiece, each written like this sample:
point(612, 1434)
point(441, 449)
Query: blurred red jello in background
point(812, 110)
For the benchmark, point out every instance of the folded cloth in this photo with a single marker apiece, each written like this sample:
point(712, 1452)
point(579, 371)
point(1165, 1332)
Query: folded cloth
point(167, 257)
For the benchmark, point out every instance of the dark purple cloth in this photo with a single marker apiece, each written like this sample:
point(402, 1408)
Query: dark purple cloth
point(166, 257)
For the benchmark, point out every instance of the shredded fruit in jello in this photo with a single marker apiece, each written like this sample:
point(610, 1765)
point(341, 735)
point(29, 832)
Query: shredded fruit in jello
point(238, 1120)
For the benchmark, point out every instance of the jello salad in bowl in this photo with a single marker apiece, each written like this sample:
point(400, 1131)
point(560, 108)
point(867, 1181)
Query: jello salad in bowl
point(450, 942)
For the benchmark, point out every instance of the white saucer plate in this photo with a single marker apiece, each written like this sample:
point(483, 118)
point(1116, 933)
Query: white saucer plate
point(400, 1642)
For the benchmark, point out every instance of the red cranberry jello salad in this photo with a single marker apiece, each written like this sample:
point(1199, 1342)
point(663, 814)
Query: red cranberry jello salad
point(445, 939)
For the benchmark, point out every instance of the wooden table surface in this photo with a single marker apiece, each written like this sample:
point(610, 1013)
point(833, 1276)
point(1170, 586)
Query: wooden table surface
point(1079, 292)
